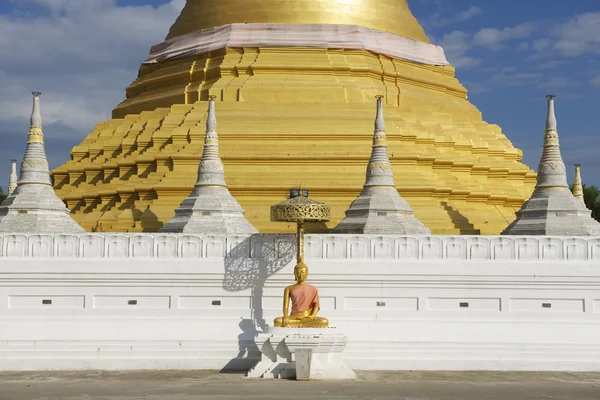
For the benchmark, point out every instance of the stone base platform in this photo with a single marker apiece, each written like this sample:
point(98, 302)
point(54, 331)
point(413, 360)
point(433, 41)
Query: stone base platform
point(302, 354)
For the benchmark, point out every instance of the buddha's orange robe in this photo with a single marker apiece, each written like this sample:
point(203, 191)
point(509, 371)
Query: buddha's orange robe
point(304, 297)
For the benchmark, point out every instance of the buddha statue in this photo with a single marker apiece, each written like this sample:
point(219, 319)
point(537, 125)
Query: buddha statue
point(305, 303)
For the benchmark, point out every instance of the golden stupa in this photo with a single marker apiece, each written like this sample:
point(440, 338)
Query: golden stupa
point(291, 114)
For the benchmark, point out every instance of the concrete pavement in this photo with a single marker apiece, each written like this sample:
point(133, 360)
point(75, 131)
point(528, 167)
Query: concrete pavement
point(188, 385)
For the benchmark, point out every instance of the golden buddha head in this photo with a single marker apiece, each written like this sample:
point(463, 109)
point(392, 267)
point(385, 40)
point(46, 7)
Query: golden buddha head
point(301, 272)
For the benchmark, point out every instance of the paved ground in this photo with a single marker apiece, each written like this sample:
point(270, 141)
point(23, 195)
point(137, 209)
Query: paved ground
point(169, 385)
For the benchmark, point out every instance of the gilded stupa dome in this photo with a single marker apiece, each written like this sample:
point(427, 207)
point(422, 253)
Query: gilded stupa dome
point(391, 16)
point(295, 82)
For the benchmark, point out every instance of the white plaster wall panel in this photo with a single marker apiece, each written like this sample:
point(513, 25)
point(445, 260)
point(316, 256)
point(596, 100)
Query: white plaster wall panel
point(313, 246)
point(15, 246)
point(455, 248)
point(233, 243)
point(141, 246)
point(575, 249)
point(40, 246)
point(214, 246)
point(262, 246)
point(116, 246)
point(2, 254)
point(430, 248)
point(334, 247)
point(358, 247)
point(46, 303)
point(547, 305)
point(526, 249)
point(407, 248)
point(478, 248)
point(463, 304)
point(190, 246)
point(91, 246)
point(319, 246)
point(551, 249)
point(382, 337)
point(381, 303)
point(383, 248)
point(132, 302)
point(165, 246)
point(286, 247)
point(502, 248)
point(215, 302)
point(594, 249)
point(66, 246)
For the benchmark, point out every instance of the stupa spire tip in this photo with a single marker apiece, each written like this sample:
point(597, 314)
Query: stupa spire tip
point(211, 120)
point(36, 114)
point(551, 119)
point(578, 184)
point(379, 121)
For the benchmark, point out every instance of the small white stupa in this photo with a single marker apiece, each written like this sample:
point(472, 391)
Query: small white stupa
point(13, 180)
point(578, 184)
point(379, 209)
point(552, 209)
point(210, 209)
point(33, 207)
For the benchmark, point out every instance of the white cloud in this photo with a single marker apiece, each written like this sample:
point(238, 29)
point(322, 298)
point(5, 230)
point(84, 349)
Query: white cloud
point(439, 20)
point(456, 45)
point(514, 78)
point(540, 44)
point(595, 81)
point(494, 38)
point(79, 53)
point(469, 13)
point(579, 35)
point(556, 82)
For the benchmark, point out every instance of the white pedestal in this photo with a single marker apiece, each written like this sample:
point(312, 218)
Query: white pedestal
point(302, 354)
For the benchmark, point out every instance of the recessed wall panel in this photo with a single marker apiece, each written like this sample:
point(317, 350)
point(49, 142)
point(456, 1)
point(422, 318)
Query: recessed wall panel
point(133, 302)
point(463, 304)
point(46, 302)
point(547, 305)
point(381, 303)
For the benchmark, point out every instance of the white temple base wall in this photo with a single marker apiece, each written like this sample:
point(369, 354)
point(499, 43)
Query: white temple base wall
point(128, 304)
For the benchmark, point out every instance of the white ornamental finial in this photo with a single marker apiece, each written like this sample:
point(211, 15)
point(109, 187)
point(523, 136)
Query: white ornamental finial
point(210, 170)
point(379, 121)
point(551, 118)
point(578, 184)
point(12, 183)
point(36, 115)
point(379, 170)
point(552, 172)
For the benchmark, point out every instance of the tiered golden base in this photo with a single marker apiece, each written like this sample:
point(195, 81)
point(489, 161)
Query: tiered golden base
point(290, 116)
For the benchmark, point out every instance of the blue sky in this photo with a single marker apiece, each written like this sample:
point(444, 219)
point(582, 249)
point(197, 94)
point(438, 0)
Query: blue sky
point(83, 53)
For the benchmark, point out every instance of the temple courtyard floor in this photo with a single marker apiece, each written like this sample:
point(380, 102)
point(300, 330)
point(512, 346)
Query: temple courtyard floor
point(188, 385)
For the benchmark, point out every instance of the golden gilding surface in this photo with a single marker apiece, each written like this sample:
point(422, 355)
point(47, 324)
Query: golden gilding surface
point(385, 15)
point(289, 115)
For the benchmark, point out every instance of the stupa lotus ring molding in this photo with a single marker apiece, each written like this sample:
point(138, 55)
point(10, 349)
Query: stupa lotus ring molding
point(326, 36)
point(317, 247)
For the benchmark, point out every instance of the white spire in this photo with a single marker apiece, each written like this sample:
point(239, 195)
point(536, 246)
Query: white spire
point(210, 208)
point(552, 171)
point(210, 170)
point(33, 207)
point(379, 170)
point(578, 185)
point(379, 209)
point(12, 182)
point(552, 208)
